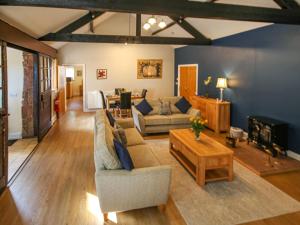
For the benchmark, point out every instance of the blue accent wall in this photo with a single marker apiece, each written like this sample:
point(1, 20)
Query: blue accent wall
point(263, 71)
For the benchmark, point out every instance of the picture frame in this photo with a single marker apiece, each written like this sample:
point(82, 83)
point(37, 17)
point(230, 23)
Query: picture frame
point(149, 68)
point(79, 73)
point(101, 74)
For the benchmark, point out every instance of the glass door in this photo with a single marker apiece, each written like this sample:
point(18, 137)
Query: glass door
point(45, 73)
point(3, 116)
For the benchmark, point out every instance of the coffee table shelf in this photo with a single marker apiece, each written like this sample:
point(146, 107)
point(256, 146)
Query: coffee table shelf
point(206, 160)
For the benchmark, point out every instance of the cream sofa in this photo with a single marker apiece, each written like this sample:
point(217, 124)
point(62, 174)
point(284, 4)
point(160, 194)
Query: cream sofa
point(155, 123)
point(146, 185)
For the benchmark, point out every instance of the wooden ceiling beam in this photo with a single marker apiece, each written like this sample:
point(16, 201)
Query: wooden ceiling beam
point(75, 25)
point(91, 38)
point(177, 8)
point(287, 4)
point(138, 24)
point(165, 28)
point(189, 28)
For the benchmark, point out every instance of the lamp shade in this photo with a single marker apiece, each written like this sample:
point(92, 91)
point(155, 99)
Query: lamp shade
point(222, 83)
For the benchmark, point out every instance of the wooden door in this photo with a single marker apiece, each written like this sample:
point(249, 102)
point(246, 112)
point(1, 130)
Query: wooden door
point(45, 70)
point(187, 82)
point(3, 117)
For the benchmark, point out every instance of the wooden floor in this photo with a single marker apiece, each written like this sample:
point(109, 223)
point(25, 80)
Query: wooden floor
point(57, 186)
point(18, 153)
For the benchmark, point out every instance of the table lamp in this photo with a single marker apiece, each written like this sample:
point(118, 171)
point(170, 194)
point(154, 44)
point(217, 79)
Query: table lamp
point(222, 84)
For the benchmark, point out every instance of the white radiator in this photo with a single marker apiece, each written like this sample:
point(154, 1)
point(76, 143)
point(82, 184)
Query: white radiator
point(94, 100)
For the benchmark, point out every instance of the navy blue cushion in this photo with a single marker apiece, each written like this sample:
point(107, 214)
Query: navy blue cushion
point(183, 105)
point(123, 155)
point(110, 118)
point(144, 107)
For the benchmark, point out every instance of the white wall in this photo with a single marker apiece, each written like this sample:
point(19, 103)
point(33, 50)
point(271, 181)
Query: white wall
point(15, 77)
point(121, 63)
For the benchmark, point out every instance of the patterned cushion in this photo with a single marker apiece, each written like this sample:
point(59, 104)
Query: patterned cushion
point(103, 153)
point(165, 108)
point(155, 104)
point(144, 107)
point(123, 155)
point(119, 134)
point(183, 105)
point(172, 101)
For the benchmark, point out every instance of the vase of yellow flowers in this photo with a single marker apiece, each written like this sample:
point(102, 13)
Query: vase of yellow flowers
point(198, 125)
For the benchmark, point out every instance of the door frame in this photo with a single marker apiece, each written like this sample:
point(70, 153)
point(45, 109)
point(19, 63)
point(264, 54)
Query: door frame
point(178, 77)
point(84, 108)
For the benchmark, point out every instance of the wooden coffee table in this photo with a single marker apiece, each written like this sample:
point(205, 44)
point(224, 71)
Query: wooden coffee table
point(207, 160)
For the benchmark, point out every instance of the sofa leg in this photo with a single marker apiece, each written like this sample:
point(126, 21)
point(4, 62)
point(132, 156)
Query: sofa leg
point(105, 215)
point(162, 208)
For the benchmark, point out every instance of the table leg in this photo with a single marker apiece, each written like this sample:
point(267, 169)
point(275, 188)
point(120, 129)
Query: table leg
point(107, 104)
point(200, 174)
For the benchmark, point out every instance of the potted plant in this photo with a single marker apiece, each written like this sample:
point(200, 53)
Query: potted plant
point(198, 125)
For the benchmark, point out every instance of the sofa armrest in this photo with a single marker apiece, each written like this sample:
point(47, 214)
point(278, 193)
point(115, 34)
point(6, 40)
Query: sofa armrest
point(194, 112)
point(125, 123)
point(138, 119)
point(121, 190)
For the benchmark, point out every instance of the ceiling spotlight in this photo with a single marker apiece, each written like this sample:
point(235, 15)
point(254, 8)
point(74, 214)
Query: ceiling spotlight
point(152, 20)
point(146, 26)
point(162, 24)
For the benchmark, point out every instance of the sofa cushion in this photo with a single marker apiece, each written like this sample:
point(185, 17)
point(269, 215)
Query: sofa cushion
point(172, 101)
point(119, 134)
point(165, 108)
point(156, 120)
point(179, 118)
point(183, 105)
point(104, 157)
point(123, 155)
point(155, 104)
point(133, 137)
point(142, 156)
point(144, 107)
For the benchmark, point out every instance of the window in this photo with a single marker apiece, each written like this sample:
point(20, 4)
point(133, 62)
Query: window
point(70, 72)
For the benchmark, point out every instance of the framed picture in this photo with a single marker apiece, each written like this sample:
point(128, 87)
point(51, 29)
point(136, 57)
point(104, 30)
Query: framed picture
point(101, 74)
point(79, 73)
point(149, 68)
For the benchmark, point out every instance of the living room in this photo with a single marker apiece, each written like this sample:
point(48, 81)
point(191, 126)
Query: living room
point(181, 118)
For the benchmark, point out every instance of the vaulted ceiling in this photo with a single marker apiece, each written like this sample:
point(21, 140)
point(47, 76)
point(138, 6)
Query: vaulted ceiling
point(38, 21)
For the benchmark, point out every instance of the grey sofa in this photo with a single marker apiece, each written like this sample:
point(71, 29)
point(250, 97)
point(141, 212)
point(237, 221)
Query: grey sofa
point(155, 123)
point(146, 185)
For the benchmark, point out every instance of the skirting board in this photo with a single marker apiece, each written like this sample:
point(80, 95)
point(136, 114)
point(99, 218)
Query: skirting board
point(293, 155)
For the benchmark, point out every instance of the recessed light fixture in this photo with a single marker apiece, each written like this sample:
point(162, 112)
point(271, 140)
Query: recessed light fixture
point(162, 24)
point(146, 26)
point(152, 20)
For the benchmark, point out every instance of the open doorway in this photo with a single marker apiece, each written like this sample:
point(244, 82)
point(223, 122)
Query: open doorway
point(22, 120)
point(74, 74)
